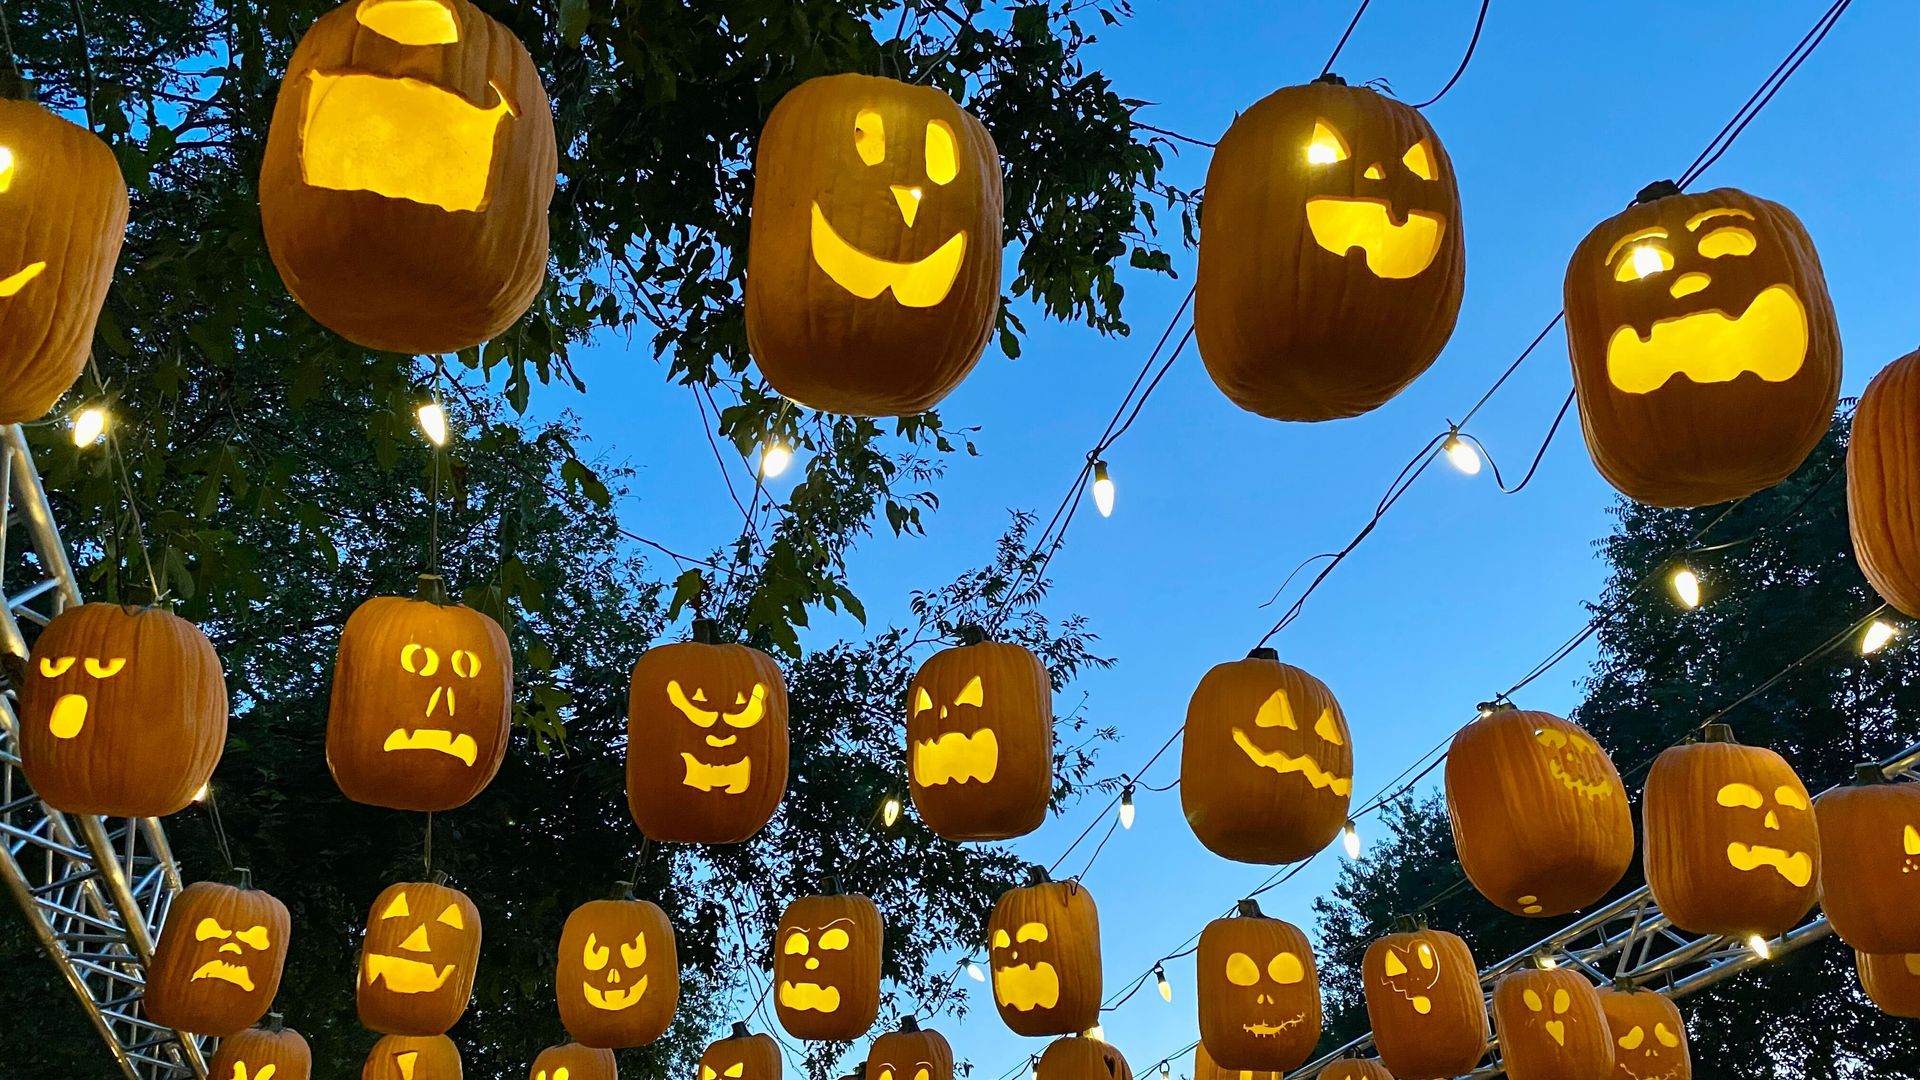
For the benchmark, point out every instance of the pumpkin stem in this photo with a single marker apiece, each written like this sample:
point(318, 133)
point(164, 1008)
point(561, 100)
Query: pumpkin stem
point(1330, 79)
point(970, 634)
point(1659, 189)
point(1717, 733)
point(432, 589)
point(706, 632)
point(740, 1030)
point(1625, 985)
point(276, 1023)
point(1867, 773)
point(909, 1023)
point(1264, 653)
point(242, 877)
point(1037, 875)
point(439, 877)
point(623, 890)
point(1409, 924)
point(830, 885)
point(1249, 909)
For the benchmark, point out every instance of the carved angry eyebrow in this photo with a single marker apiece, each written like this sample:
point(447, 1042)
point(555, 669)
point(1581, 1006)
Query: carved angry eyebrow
point(1704, 216)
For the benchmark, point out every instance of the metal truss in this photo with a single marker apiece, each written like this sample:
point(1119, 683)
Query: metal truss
point(94, 890)
point(1630, 939)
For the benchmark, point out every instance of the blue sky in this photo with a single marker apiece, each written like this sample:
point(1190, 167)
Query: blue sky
point(1567, 111)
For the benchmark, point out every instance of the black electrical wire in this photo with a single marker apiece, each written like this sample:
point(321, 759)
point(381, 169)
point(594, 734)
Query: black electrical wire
point(1472, 43)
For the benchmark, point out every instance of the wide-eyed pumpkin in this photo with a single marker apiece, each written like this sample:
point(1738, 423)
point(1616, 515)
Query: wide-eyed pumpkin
point(1870, 862)
point(422, 701)
point(706, 740)
point(124, 712)
point(410, 1057)
point(980, 741)
point(1044, 952)
point(1883, 483)
point(1891, 982)
point(407, 174)
point(1082, 1057)
point(618, 978)
point(418, 958)
point(1352, 1069)
point(572, 1061)
point(743, 1055)
point(1331, 260)
point(873, 262)
point(272, 1052)
point(63, 215)
point(1205, 1068)
point(218, 964)
point(1551, 1026)
point(1731, 843)
point(1266, 763)
point(1705, 353)
point(1423, 1000)
point(910, 1053)
point(826, 966)
point(1540, 817)
point(1649, 1035)
point(1258, 991)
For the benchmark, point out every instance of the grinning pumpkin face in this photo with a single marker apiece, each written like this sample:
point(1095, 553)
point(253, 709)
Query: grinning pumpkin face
point(572, 1061)
point(826, 964)
point(217, 966)
point(410, 1057)
point(417, 962)
point(1044, 952)
point(980, 741)
point(618, 978)
point(262, 1053)
point(1424, 1001)
point(1649, 1036)
point(1551, 1026)
point(743, 1056)
point(1259, 993)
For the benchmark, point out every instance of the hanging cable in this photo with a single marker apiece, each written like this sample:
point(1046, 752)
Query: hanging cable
point(1342, 43)
point(1472, 43)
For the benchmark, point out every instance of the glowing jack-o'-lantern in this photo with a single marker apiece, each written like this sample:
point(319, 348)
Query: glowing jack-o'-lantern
point(873, 268)
point(743, 1055)
point(706, 740)
point(1649, 1035)
point(407, 174)
point(63, 214)
point(1266, 765)
point(218, 964)
point(1731, 846)
point(1423, 999)
point(1551, 1026)
point(411, 1057)
point(1044, 952)
point(1883, 483)
point(1539, 815)
point(1351, 1069)
point(272, 1052)
point(422, 698)
point(572, 1061)
point(826, 966)
point(1082, 1057)
point(1870, 862)
point(980, 741)
point(1891, 982)
point(417, 961)
point(124, 712)
point(910, 1054)
point(1258, 990)
point(1331, 263)
point(1705, 353)
point(1205, 1068)
point(618, 979)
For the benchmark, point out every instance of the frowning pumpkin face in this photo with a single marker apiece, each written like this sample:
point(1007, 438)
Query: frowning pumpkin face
point(417, 961)
point(218, 964)
point(826, 966)
point(1044, 954)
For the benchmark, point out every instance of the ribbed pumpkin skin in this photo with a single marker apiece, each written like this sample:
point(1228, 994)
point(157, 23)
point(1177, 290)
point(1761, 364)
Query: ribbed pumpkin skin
point(214, 1006)
point(432, 1057)
point(759, 1054)
point(152, 730)
point(424, 1012)
point(1016, 707)
point(1883, 483)
point(1688, 834)
point(572, 1061)
point(1352, 1069)
point(1287, 328)
point(1891, 981)
point(1870, 865)
point(666, 749)
point(1205, 1068)
point(1650, 1058)
point(1082, 1057)
point(375, 694)
point(1228, 1008)
point(815, 341)
point(613, 925)
point(65, 206)
point(1528, 1049)
point(244, 1054)
point(1690, 443)
point(393, 273)
point(1451, 1036)
point(1540, 817)
point(900, 1055)
point(854, 972)
point(1068, 958)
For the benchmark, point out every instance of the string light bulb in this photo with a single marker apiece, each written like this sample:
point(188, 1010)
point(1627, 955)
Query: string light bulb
point(1350, 837)
point(1166, 994)
point(1758, 944)
point(201, 795)
point(1102, 489)
point(1033, 1067)
point(775, 456)
point(1166, 1070)
point(1126, 807)
point(974, 972)
point(433, 422)
point(1461, 454)
point(1879, 634)
point(89, 424)
point(1686, 587)
point(1097, 1032)
point(890, 811)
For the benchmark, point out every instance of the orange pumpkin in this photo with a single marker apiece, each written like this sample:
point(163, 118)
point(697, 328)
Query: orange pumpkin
point(1870, 862)
point(218, 964)
point(1891, 981)
point(1649, 1035)
point(418, 958)
point(1259, 992)
point(741, 1056)
point(1423, 999)
point(618, 978)
point(910, 1054)
point(980, 741)
point(1044, 952)
point(1883, 483)
point(572, 1061)
point(273, 1051)
point(412, 1057)
point(1352, 1069)
point(1082, 1057)
point(1551, 1026)
point(1205, 1068)
point(826, 966)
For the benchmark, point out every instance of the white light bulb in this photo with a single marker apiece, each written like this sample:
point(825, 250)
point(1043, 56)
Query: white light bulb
point(1350, 836)
point(890, 810)
point(1166, 1068)
point(1126, 808)
point(433, 422)
point(1321, 154)
point(974, 972)
point(1548, 963)
point(1647, 260)
point(1166, 994)
point(1686, 587)
point(775, 456)
point(1878, 635)
point(1097, 1032)
point(1462, 455)
point(1102, 489)
point(201, 795)
point(88, 425)
point(1759, 946)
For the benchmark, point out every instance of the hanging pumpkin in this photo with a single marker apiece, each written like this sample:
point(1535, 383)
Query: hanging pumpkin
point(741, 1056)
point(1266, 764)
point(1649, 1035)
point(706, 740)
point(980, 741)
point(407, 174)
point(1870, 862)
point(272, 1052)
point(1331, 263)
point(417, 961)
point(1423, 1000)
point(1540, 817)
point(1883, 484)
point(63, 214)
point(572, 1061)
point(826, 965)
point(1891, 981)
point(1551, 1026)
point(1082, 1057)
point(618, 979)
point(1259, 992)
point(873, 262)
point(409, 1057)
point(1354, 1069)
point(218, 964)
point(1705, 353)
point(1044, 952)
point(1731, 844)
point(1205, 1068)
point(910, 1054)
point(124, 712)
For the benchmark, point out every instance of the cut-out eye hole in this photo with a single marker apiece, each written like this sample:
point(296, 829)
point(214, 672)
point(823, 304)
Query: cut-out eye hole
point(6, 169)
point(1001, 940)
point(1632, 1039)
point(870, 136)
point(736, 1068)
point(465, 664)
point(1667, 1038)
point(1791, 797)
point(255, 936)
point(886, 1074)
point(943, 154)
point(1643, 260)
point(1727, 240)
point(1911, 840)
point(707, 1073)
point(1419, 160)
point(922, 1074)
point(677, 697)
point(835, 940)
point(397, 907)
point(922, 701)
point(1426, 956)
point(1032, 931)
point(1562, 1001)
point(1550, 738)
point(1740, 795)
point(1394, 964)
point(1286, 969)
point(752, 708)
point(410, 22)
point(1241, 970)
point(971, 694)
point(1327, 146)
point(105, 669)
point(595, 956)
point(1328, 728)
point(797, 945)
point(54, 668)
point(1534, 1004)
point(419, 659)
point(210, 928)
point(451, 917)
point(635, 954)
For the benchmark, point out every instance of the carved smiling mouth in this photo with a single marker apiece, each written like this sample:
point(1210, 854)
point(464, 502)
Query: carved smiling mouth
point(1668, 1074)
point(401, 138)
point(1796, 868)
point(1575, 784)
point(1284, 763)
point(1027, 987)
point(1392, 249)
point(615, 1000)
point(13, 283)
point(810, 996)
point(225, 972)
point(403, 976)
point(957, 758)
point(732, 779)
point(920, 284)
point(1268, 1031)
point(445, 742)
point(1768, 340)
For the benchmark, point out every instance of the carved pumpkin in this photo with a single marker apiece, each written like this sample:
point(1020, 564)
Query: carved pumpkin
point(706, 741)
point(1352, 1069)
point(1870, 862)
point(741, 1056)
point(407, 174)
point(1331, 263)
point(1551, 1026)
point(1259, 992)
point(1883, 483)
point(1423, 1000)
point(1649, 1035)
point(422, 700)
point(910, 1054)
point(124, 712)
point(1731, 845)
point(1705, 353)
point(1539, 815)
point(262, 1053)
point(618, 979)
point(1205, 1068)
point(417, 961)
point(1891, 981)
point(1044, 952)
point(980, 741)
point(63, 214)
point(218, 964)
point(572, 1061)
point(410, 1057)
point(826, 966)
point(1266, 765)
point(1082, 1057)
point(873, 265)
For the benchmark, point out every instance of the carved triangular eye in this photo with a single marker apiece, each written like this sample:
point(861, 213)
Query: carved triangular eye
point(398, 908)
point(870, 136)
point(922, 701)
point(972, 693)
point(1326, 146)
point(1419, 160)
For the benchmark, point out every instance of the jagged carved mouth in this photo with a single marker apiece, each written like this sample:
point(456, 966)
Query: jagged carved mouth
point(957, 758)
point(1796, 868)
point(732, 779)
point(1027, 986)
point(1769, 340)
point(1283, 763)
point(1575, 784)
point(810, 997)
point(403, 976)
point(438, 740)
point(225, 972)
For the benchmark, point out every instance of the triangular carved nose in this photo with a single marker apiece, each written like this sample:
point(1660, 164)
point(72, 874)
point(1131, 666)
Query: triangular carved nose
point(909, 200)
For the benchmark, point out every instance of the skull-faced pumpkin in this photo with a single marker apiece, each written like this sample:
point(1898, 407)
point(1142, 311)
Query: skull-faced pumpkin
point(910, 1054)
point(1870, 862)
point(1705, 352)
point(1423, 999)
point(1044, 952)
point(1082, 1057)
point(417, 961)
point(618, 979)
point(218, 964)
point(1259, 992)
point(572, 1061)
point(272, 1052)
point(743, 1055)
point(1551, 1026)
point(1649, 1035)
point(980, 741)
point(410, 1057)
point(826, 966)
point(1891, 982)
